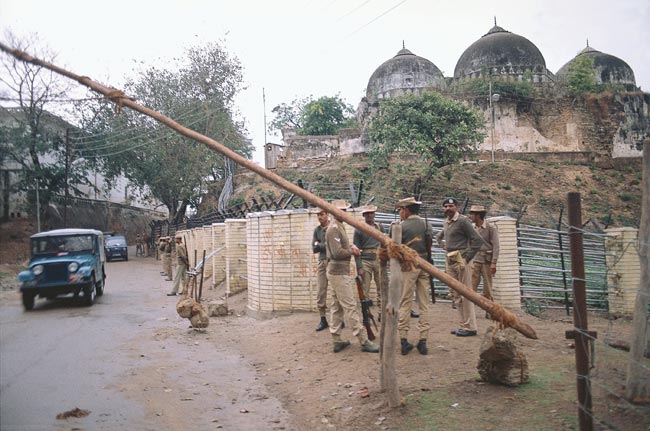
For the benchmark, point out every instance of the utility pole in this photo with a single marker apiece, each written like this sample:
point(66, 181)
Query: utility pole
point(493, 98)
point(67, 173)
point(264, 104)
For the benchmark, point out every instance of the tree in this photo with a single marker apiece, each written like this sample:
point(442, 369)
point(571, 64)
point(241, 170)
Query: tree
point(324, 116)
point(580, 77)
point(31, 135)
point(200, 95)
point(432, 128)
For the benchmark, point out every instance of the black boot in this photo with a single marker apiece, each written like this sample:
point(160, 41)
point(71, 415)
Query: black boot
point(406, 346)
point(422, 347)
point(323, 324)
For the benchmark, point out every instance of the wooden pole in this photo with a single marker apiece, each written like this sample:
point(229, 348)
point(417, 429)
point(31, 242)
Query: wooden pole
point(120, 100)
point(637, 387)
point(580, 335)
point(391, 304)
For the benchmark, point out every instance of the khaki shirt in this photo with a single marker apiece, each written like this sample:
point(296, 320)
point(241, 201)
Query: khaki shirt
point(367, 244)
point(459, 234)
point(319, 237)
point(181, 255)
point(416, 234)
point(338, 249)
point(489, 252)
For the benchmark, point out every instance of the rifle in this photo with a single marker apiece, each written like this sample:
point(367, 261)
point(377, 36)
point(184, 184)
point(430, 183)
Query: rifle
point(365, 309)
point(428, 241)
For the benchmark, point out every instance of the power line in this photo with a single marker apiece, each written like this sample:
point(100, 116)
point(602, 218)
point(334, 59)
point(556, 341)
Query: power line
point(376, 18)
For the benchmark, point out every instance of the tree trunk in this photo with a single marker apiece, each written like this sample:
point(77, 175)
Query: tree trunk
point(637, 388)
point(389, 319)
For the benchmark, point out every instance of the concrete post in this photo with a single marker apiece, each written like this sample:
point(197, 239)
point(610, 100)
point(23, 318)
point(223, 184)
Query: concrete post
point(624, 268)
point(505, 284)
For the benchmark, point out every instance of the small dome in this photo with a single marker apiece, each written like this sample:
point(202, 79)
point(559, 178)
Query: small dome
point(607, 68)
point(405, 73)
point(500, 52)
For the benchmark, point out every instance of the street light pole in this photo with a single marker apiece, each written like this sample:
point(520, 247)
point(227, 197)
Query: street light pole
point(493, 98)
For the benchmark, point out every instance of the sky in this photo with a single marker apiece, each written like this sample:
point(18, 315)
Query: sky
point(293, 48)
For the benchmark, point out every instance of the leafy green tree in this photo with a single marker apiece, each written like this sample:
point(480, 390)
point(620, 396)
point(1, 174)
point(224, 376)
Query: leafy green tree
point(429, 127)
point(198, 94)
point(31, 135)
point(324, 116)
point(580, 77)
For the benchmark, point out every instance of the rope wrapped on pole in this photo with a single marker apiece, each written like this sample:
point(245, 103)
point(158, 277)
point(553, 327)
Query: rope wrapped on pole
point(503, 316)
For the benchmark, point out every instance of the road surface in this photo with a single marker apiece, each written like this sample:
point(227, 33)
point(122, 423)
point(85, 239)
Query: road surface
point(129, 360)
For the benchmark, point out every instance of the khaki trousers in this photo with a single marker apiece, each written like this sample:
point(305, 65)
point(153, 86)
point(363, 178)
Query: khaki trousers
point(321, 284)
point(372, 269)
point(482, 270)
point(344, 303)
point(181, 277)
point(416, 281)
point(167, 260)
point(466, 310)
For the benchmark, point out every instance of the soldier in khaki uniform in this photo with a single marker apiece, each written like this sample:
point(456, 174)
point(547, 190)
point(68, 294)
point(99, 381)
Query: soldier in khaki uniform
point(166, 250)
point(318, 246)
point(416, 234)
point(339, 252)
point(485, 261)
point(368, 265)
point(182, 265)
point(462, 242)
point(160, 253)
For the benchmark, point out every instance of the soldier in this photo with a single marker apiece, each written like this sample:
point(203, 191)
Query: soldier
point(462, 242)
point(339, 252)
point(368, 265)
point(416, 234)
point(318, 246)
point(139, 247)
point(146, 238)
point(485, 261)
point(182, 265)
point(168, 258)
point(160, 253)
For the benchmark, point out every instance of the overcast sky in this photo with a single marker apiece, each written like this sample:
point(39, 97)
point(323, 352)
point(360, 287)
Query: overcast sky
point(319, 47)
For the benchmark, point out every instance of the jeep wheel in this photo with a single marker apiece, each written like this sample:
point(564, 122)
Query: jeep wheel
point(100, 287)
point(28, 301)
point(90, 292)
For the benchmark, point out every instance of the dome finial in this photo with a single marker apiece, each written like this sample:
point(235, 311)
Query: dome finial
point(404, 45)
point(587, 42)
point(495, 20)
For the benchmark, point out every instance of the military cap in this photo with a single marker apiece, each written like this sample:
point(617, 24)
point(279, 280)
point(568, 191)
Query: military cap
point(477, 209)
point(407, 202)
point(368, 209)
point(320, 210)
point(341, 204)
point(450, 201)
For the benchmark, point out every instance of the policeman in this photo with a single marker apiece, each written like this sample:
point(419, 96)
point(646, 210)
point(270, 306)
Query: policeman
point(339, 252)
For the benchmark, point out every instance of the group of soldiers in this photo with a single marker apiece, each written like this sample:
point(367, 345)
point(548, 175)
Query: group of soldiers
point(471, 246)
point(165, 247)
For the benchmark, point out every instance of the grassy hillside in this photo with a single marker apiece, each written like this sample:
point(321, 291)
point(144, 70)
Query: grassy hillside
point(610, 196)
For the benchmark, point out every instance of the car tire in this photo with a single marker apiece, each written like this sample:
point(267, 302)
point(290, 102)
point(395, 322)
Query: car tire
point(89, 292)
point(100, 287)
point(28, 301)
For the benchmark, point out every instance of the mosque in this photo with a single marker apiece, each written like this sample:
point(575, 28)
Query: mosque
point(545, 124)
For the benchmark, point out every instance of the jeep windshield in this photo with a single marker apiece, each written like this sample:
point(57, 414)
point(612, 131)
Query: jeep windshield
point(61, 245)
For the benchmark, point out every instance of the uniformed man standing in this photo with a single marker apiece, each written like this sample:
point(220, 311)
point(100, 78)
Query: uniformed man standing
point(462, 242)
point(167, 257)
point(368, 265)
point(318, 246)
point(339, 252)
point(417, 235)
point(485, 261)
point(182, 265)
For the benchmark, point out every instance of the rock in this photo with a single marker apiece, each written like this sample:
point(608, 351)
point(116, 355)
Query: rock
point(184, 307)
point(200, 318)
point(217, 308)
point(501, 360)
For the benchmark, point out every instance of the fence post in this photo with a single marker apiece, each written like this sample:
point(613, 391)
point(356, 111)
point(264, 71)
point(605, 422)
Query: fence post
point(506, 285)
point(560, 242)
point(580, 333)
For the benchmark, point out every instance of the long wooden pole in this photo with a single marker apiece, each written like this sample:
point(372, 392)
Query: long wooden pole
point(120, 100)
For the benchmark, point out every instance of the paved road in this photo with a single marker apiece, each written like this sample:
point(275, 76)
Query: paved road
point(129, 359)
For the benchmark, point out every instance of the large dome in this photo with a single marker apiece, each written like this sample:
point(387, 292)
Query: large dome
point(500, 52)
point(607, 68)
point(402, 74)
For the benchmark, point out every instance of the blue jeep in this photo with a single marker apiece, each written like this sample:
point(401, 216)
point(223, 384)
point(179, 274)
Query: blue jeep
point(64, 261)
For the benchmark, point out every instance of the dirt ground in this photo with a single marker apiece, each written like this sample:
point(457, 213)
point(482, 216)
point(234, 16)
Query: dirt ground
point(441, 391)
